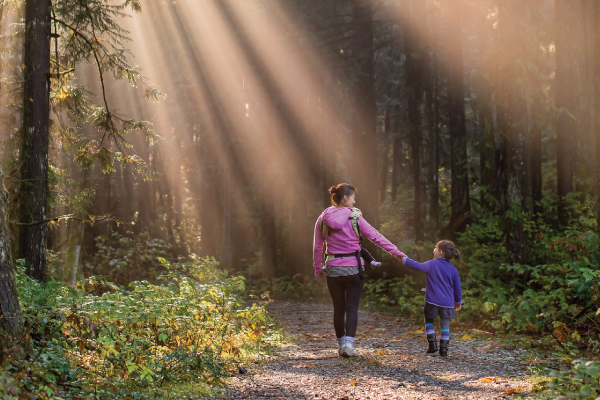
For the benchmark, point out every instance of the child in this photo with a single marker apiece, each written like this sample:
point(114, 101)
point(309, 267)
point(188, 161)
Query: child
point(443, 294)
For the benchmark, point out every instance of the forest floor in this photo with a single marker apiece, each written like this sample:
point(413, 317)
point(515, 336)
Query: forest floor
point(392, 363)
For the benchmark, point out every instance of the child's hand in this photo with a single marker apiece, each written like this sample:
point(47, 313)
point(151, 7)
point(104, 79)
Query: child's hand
point(321, 275)
point(457, 307)
point(400, 258)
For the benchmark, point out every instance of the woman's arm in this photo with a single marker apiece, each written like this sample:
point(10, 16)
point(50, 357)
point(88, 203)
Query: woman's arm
point(374, 236)
point(318, 248)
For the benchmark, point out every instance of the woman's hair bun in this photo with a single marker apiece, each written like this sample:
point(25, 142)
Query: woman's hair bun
point(339, 191)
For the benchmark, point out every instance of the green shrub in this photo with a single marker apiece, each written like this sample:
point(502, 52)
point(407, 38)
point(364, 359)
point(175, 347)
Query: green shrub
point(581, 381)
point(403, 294)
point(191, 326)
point(125, 258)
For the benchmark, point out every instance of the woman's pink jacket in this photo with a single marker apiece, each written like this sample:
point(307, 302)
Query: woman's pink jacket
point(341, 238)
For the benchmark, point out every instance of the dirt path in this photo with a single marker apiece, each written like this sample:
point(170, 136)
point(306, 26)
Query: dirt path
point(392, 363)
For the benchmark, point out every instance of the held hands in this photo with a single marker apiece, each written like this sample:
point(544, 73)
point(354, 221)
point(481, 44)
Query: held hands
point(400, 257)
point(457, 307)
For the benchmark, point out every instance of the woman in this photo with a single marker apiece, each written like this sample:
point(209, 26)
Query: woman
point(344, 266)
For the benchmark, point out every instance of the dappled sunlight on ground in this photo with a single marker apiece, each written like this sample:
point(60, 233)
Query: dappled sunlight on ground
point(392, 363)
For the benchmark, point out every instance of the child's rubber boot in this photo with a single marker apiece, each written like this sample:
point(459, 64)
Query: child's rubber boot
point(444, 347)
point(433, 347)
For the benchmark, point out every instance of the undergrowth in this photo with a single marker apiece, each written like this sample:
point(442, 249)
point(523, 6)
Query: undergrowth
point(97, 340)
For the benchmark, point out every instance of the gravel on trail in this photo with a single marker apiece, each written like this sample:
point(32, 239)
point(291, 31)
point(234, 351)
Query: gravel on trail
point(391, 362)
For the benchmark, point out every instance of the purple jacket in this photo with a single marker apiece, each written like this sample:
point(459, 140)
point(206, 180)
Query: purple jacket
point(342, 240)
point(442, 284)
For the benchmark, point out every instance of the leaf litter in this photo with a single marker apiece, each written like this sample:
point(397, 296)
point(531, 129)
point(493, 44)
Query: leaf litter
point(403, 370)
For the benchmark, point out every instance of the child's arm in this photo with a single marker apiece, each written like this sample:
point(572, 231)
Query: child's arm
point(364, 253)
point(423, 267)
point(457, 292)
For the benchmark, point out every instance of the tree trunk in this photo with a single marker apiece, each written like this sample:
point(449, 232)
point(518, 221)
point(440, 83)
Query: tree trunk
point(386, 156)
point(587, 100)
point(458, 130)
point(566, 98)
point(363, 164)
point(596, 65)
point(143, 195)
point(269, 244)
point(486, 144)
point(35, 137)
point(513, 125)
point(75, 241)
point(11, 323)
point(397, 155)
point(415, 71)
point(435, 194)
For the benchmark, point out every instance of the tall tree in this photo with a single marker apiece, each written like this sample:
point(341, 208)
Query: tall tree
point(416, 67)
point(567, 13)
point(596, 68)
point(397, 154)
point(534, 140)
point(512, 116)
point(458, 129)
point(363, 166)
point(34, 138)
point(11, 323)
point(385, 155)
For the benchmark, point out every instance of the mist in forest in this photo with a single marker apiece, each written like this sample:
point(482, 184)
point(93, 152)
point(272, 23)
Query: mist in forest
point(437, 111)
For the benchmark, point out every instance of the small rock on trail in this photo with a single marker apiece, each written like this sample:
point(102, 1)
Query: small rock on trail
point(392, 363)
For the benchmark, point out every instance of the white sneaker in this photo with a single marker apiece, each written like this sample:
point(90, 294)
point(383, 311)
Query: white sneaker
point(348, 352)
point(341, 352)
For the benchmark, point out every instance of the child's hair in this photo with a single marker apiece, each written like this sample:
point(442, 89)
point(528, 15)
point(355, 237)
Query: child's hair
point(338, 192)
point(449, 250)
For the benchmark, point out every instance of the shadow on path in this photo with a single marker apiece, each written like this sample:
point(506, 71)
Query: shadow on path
point(392, 363)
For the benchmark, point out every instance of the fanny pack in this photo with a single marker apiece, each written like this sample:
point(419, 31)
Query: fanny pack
point(361, 271)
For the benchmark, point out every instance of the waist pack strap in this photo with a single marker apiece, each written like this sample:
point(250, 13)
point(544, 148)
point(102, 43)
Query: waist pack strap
point(361, 271)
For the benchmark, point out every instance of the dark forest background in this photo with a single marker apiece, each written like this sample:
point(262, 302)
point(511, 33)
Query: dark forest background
point(439, 112)
point(144, 150)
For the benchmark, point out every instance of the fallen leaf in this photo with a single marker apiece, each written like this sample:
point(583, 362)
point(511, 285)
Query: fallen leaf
point(562, 333)
point(304, 365)
point(513, 391)
point(379, 351)
point(531, 359)
point(466, 336)
point(448, 378)
point(495, 379)
point(480, 331)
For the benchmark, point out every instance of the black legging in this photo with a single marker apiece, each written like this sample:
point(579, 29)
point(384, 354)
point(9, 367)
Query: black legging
point(345, 292)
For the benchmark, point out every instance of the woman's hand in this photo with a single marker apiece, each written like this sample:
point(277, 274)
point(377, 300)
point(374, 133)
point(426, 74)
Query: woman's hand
point(400, 258)
point(457, 307)
point(321, 275)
